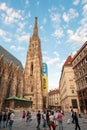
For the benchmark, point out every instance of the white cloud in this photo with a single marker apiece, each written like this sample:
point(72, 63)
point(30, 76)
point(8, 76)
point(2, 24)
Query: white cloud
point(28, 15)
point(44, 40)
point(5, 35)
point(56, 53)
point(84, 1)
point(9, 15)
point(53, 61)
point(83, 21)
point(44, 52)
point(38, 2)
point(58, 41)
point(58, 33)
point(85, 10)
point(78, 37)
point(2, 33)
point(3, 6)
point(50, 61)
point(60, 64)
point(6, 39)
point(30, 26)
point(21, 25)
point(44, 20)
point(56, 22)
point(55, 17)
point(51, 10)
point(23, 38)
point(72, 14)
point(76, 2)
point(17, 49)
point(41, 28)
point(27, 2)
point(65, 17)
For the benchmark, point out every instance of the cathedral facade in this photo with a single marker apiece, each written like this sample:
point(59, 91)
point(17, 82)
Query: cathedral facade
point(22, 87)
point(11, 78)
point(33, 70)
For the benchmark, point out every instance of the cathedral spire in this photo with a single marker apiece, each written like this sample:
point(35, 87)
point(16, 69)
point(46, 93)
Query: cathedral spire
point(35, 33)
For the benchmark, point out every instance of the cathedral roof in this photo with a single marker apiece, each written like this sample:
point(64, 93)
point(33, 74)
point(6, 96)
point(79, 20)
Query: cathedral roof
point(10, 58)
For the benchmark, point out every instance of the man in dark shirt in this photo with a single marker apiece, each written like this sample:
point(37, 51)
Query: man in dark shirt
point(38, 119)
point(76, 122)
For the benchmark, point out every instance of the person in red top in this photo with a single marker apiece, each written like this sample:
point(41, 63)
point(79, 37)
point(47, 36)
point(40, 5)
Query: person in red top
point(60, 120)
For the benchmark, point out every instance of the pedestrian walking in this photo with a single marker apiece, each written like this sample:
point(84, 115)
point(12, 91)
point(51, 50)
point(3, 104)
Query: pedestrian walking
point(44, 120)
point(72, 115)
point(11, 120)
point(23, 114)
point(8, 118)
point(47, 117)
point(52, 121)
point(28, 120)
point(28, 116)
point(76, 122)
point(60, 120)
point(4, 119)
point(56, 117)
point(38, 119)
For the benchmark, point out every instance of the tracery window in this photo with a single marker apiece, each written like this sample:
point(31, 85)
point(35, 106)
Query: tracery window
point(31, 88)
point(31, 69)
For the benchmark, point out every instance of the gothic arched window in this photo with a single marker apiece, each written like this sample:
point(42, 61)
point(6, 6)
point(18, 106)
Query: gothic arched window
point(31, 71)
point(31, 88)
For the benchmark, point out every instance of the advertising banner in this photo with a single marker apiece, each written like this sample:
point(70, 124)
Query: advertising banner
point(44, 83)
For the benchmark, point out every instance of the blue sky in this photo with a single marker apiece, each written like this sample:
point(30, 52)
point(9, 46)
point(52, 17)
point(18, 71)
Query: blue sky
point(62, 28)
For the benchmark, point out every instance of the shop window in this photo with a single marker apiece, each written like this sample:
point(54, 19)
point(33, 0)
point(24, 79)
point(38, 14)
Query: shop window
point(74, 103)
point(72, 91)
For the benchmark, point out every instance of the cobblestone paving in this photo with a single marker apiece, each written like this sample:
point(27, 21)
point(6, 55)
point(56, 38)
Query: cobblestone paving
point(21, 124)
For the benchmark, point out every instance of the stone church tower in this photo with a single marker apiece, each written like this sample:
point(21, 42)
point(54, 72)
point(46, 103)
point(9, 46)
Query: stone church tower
point(33, 71)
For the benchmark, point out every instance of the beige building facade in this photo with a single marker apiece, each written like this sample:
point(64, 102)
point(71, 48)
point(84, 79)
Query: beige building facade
point(67, 87)
point(80, 69)
point(54, 99)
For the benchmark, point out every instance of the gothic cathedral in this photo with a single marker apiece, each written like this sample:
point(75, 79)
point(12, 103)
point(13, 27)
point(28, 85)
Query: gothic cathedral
point(33, 71)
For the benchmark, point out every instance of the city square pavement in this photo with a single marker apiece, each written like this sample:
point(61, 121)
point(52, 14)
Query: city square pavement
point(21, 124)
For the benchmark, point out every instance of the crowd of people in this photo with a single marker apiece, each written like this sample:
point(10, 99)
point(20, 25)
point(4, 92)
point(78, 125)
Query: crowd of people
point(6, 119)
point(50, 119)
